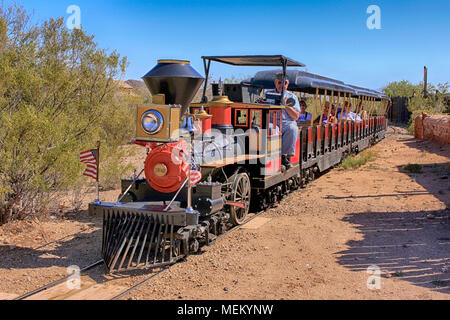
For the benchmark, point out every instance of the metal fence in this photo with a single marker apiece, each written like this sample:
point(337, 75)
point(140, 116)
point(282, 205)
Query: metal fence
point(398, 111)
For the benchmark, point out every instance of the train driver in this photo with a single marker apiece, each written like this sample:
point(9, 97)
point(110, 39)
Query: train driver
point(291, 114)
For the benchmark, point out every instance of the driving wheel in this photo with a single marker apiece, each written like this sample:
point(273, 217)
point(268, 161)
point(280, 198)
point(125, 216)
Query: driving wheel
point(241, 195)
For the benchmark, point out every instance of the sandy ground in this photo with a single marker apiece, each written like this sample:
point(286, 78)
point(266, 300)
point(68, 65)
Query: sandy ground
point(317, 244)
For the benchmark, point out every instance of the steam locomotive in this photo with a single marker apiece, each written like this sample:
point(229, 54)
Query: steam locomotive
point(210, 163)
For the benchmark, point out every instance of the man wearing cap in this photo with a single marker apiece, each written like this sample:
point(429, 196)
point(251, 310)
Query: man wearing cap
point(289, 122)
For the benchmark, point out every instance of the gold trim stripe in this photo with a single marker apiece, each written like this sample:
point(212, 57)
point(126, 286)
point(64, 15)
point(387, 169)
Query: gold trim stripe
point(174, 61)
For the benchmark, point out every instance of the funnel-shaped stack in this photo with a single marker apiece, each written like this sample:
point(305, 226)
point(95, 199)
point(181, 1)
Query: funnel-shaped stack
point(177, 80)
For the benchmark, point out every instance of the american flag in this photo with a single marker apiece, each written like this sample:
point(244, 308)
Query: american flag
point(196, 175)
point(90, 157)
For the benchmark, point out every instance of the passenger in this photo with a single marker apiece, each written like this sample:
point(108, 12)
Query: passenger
point(363, 113)
point(304, 116)
point(332, 118)
point(351, 116)
point(342, 113)
point(325, 115)
point(360, 108)
point(290, 129)
point(346, 114)
point(360, 113)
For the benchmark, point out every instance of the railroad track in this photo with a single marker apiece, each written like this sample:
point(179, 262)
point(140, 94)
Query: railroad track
point(125, 291)
point(63, 293)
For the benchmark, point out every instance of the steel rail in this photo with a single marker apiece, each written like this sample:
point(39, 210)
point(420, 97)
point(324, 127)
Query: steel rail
point(121, 295)
point(54, 283)
point(124, 293)
point(95, 264)
point(141, 283)
point(153, 276)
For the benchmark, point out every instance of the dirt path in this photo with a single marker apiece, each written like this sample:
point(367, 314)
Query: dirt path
point(317, 244)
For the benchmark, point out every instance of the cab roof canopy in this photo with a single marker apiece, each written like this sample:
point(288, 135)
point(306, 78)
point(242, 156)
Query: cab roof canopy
point(256, 61)
point(250, 61)
point(370, 93)
point(302, 81)
point(309, 83)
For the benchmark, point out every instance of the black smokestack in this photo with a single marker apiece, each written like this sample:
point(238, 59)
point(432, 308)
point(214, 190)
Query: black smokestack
point(177, 80)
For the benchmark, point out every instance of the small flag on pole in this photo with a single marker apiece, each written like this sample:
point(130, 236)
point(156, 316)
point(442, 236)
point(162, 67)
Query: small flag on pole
point(90, 158)
point(196, 175)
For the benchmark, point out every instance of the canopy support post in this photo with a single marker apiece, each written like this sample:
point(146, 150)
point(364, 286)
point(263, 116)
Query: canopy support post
point(207, 66)
point(283, 90)
point(315, 106)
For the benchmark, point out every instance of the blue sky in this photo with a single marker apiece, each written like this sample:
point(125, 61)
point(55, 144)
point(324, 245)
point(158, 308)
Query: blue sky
point(330, 37)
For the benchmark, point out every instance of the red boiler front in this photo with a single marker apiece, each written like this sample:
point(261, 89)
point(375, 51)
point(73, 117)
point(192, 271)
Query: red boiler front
point(164, 167)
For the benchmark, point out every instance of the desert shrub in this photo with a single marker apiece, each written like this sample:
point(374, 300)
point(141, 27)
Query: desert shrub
point(436, 101)
point(402, 88)
point(114, 169)
point(413, 168)
point(57, 98)
point(359, 160)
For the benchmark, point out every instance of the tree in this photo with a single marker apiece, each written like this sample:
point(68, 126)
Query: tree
point(56, 92)
point(434, 103)
point(402, 88)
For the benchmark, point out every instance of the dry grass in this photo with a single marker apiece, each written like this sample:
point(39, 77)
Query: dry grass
point(359, 160)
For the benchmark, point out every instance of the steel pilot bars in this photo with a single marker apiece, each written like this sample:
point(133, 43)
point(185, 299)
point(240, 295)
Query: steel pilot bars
point(134, 238)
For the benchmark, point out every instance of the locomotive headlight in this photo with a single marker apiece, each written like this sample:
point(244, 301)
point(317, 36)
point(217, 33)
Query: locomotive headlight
point(152, 122)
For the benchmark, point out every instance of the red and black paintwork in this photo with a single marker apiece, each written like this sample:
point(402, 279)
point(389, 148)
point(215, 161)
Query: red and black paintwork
point(148, 228)
point(318, 148)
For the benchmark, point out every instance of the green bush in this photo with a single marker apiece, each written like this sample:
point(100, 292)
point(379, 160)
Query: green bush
point(436, 101)
point(402, 88)
point(359, 160)
point(413, 168)
point(57, 98)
